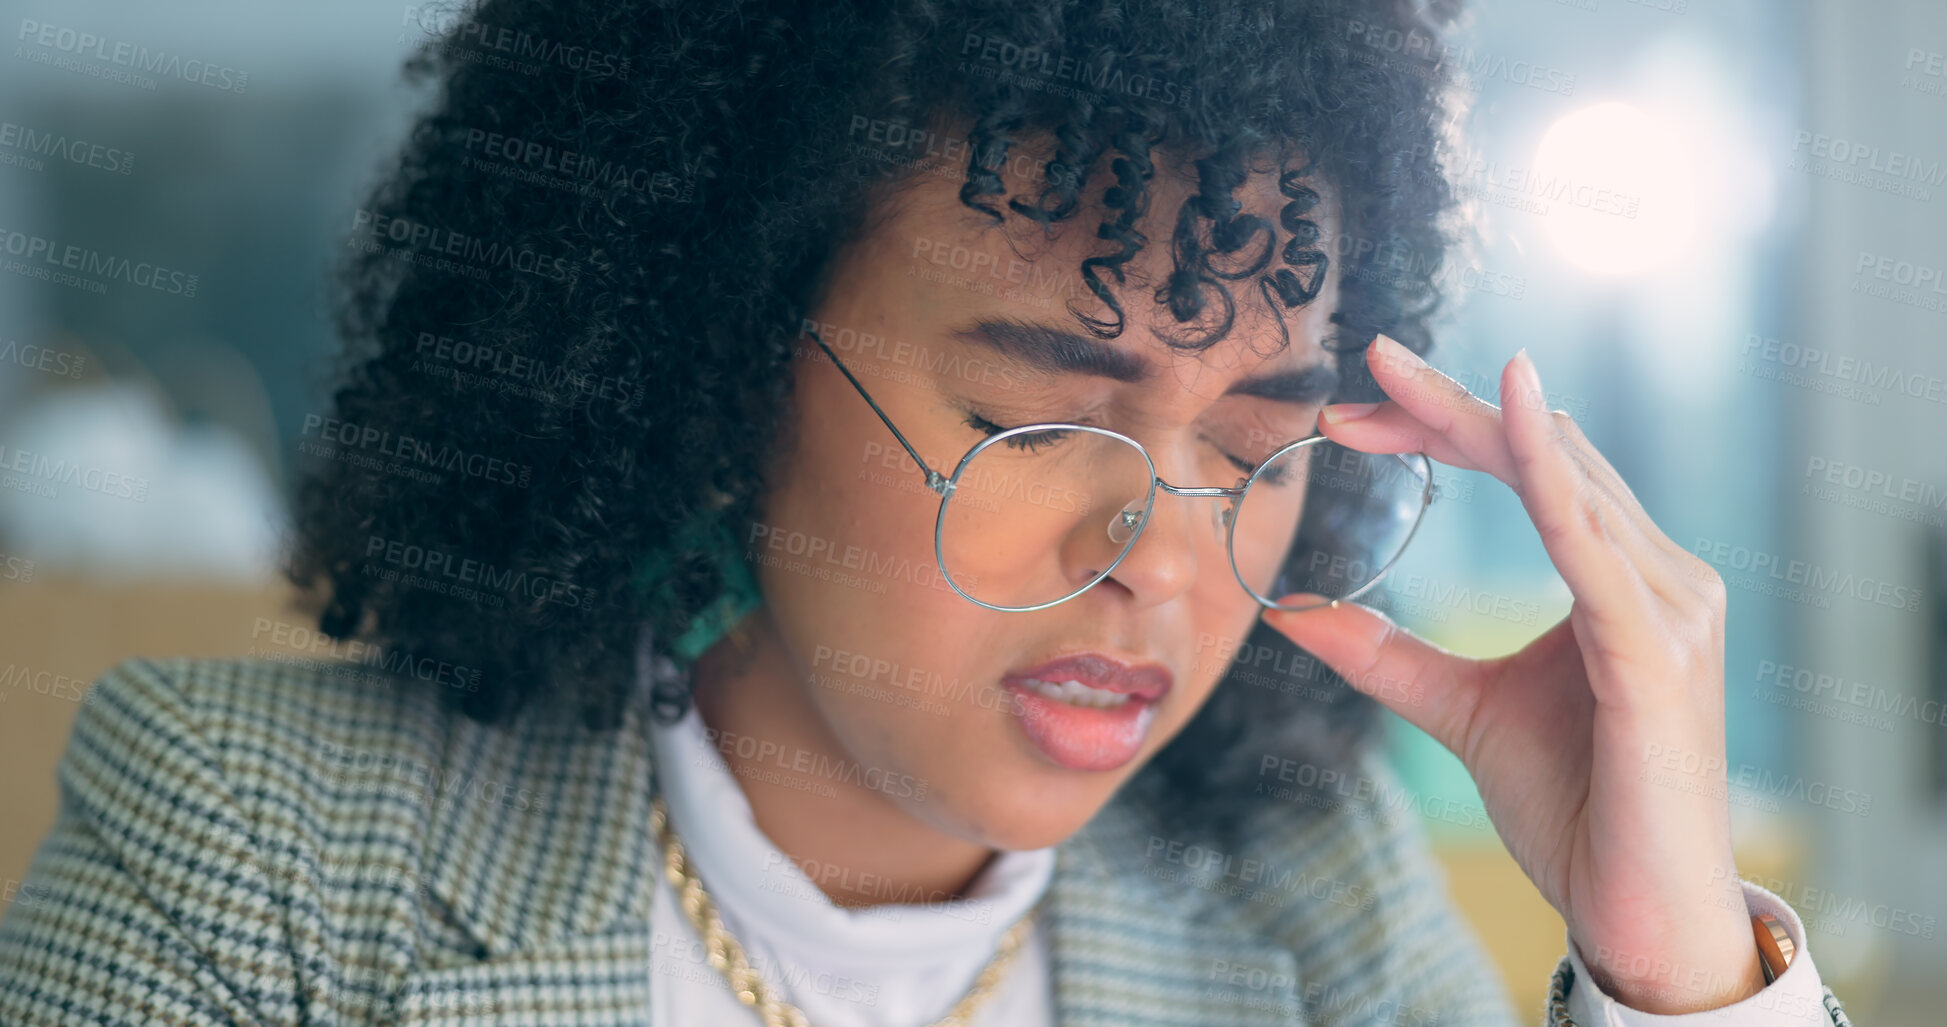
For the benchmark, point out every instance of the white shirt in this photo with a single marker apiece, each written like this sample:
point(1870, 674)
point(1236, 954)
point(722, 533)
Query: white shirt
point(904, 964)
point(899, 964)
point(1796, 997)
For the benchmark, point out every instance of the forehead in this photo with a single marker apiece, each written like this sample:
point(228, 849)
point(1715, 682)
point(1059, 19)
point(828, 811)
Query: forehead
point(1026, 269)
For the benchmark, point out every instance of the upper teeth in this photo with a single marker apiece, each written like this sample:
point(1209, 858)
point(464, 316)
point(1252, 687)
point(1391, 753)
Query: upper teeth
point(1076, 693)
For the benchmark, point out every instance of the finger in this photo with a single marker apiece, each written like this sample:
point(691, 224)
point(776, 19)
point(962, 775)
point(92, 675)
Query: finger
point(1588, 536)
point(1672, 573)
point(1432, 411)
point(1598, 467)
point(1388, 428)
point(1470, 423)
point(1517, 392)
point(1430, 687)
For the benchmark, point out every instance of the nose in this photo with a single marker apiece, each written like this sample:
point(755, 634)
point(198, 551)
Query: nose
point(1165, 559)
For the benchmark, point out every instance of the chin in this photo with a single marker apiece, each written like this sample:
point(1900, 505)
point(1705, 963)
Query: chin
point(1042, 833)
point(1039, 810)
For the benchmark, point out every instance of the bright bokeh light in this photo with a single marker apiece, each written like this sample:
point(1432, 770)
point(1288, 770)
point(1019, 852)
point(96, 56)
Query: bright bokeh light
point(1622, 189)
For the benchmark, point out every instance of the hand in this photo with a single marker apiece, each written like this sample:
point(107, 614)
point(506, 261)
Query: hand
point(1598, 748)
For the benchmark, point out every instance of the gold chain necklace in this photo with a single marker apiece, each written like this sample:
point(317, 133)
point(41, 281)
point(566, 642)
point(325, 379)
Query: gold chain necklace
point(728, 957)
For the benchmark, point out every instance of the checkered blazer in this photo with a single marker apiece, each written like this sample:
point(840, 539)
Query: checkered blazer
point(266, 842)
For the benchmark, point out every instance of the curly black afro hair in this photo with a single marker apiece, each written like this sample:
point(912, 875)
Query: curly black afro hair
point(569, 309)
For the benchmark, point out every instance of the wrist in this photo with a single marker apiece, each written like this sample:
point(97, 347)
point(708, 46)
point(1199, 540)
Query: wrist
point(1712, 966)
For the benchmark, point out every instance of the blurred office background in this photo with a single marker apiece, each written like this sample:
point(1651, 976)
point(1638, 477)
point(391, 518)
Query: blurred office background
point(1720, 226)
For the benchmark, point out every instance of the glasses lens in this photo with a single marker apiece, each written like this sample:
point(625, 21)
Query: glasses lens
point(1036, 516)
point(1325, 519)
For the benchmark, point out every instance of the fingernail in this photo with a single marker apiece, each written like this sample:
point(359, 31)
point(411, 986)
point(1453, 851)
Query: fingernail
point(1390, 348)
point(1338, 413)
point(1524, 369)
point(1397, 359)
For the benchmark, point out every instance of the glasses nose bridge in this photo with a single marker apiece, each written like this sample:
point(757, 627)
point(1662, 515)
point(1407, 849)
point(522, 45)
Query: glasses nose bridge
point(1219, 518)
point(1212, 491)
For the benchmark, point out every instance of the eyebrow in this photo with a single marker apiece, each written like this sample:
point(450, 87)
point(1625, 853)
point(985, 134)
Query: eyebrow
point(1060, 351)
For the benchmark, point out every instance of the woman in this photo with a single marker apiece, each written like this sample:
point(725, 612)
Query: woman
point(664, 339)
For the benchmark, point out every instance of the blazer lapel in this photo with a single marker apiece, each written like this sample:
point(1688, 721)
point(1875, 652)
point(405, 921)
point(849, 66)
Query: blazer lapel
point(591, 980)
point(1132, 949)
point(539, 845)
point(539, 833)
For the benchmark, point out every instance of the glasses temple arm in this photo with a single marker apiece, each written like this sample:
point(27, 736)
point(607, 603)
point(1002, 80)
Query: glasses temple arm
point(934, 479)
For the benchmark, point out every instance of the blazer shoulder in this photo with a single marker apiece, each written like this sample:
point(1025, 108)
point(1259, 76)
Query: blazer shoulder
point(344, 699)
point(289, 734)
point(305, 762)
point(227, 844)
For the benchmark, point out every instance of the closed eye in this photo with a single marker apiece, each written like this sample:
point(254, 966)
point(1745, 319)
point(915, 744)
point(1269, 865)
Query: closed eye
point(1029, 441)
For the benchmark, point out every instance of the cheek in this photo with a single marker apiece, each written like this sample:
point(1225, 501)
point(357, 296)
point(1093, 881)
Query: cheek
point(845, 557)
point(848, 522)
point(904, 681)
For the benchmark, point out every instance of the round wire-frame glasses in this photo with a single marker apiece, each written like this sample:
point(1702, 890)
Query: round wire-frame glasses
point(1127, 520)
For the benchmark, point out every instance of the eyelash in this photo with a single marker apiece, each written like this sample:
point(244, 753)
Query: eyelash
point(1024, 441)
point(1028, 441)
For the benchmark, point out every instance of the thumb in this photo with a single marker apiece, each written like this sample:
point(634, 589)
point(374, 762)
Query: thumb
point(1431, 688)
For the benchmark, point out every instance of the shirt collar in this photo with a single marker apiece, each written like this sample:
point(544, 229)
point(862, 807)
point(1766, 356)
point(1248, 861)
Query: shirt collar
point(747, 874)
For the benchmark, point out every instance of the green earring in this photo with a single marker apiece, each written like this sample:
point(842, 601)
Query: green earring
point(708, 533)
